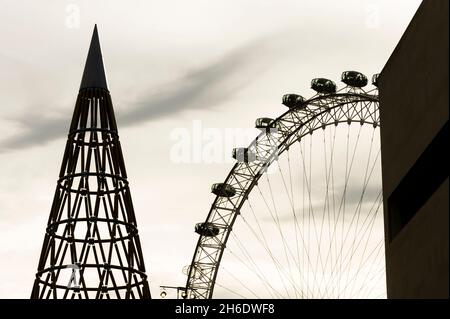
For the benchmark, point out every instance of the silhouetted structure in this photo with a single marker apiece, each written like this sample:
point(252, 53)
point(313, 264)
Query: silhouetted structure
point(91, 247)
point(414, 133)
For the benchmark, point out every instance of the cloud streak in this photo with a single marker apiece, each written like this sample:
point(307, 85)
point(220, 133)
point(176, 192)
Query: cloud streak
point(204, 88)
point(354, 200)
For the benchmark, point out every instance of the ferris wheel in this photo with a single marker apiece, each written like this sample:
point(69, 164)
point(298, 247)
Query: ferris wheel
point(300, 214)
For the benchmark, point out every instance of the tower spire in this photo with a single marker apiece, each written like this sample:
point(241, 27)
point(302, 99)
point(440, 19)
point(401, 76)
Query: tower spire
point(94, 71)
point(91, 244)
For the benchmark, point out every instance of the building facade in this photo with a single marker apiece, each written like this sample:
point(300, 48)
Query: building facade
point(414, 133)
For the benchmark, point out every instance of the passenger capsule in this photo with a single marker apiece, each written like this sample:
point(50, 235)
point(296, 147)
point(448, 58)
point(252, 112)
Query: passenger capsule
point(375, 79)
point(207, 229)
point(324, 86)
point(243, 155)
point(293, 100)
point(265, 123)
point(354, 78)
point(223, 190)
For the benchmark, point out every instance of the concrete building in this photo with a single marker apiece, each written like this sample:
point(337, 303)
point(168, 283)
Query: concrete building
point(414, 133)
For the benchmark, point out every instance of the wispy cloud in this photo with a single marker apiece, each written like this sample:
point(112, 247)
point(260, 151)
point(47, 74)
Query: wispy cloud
point(203, 88)
point(354, 200)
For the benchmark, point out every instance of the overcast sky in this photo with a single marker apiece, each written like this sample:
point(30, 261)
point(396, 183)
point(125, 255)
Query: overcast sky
point(170, 65)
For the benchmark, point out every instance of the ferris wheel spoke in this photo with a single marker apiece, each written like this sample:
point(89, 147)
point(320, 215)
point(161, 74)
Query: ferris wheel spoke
point(246, 287)
point(292, 199)
point(326, 205)
point(335, 216)
point(297, 228)
point(275, 218)
point(329, 250)
point(357, 213)
point(277, 221)
point(348, 169)
point(365, 181)
point(352, 249)
point(249, 257)
point(358, 209)
point(336, 220)
point(329, 175)
point(286, 247)
point(262, 240)
point(277, 262)
point(231, 290)
point(362, 260)
point(368, 289)
point(342, 205)
point(375, 277)
point(292, 206)
point(377, 248)
point(307, 182)
point(368, 238)
point(363, 230)
point(253, 267)
point(255, 272)
point(266, 247)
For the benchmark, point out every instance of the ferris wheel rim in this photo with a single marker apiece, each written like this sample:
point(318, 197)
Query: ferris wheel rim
point(350, 96)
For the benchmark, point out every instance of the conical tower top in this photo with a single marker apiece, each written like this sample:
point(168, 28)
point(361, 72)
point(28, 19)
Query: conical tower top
point(94, 71)
point(91, 233)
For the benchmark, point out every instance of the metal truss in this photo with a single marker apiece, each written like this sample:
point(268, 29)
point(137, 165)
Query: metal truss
point(348, 105)
point(91, 246)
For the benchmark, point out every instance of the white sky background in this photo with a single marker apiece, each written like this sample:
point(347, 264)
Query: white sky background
point(223, 63)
